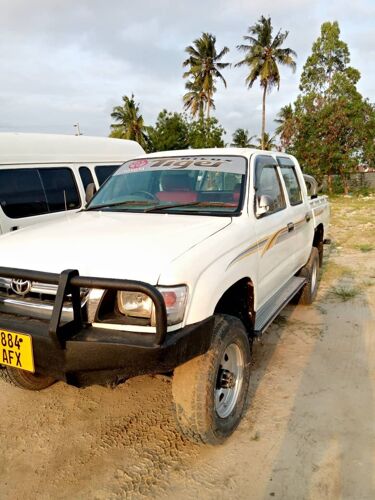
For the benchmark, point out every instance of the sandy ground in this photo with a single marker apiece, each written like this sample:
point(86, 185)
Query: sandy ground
point(309, 433)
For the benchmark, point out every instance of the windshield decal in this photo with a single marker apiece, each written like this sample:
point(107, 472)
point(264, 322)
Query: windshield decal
point(230, 164)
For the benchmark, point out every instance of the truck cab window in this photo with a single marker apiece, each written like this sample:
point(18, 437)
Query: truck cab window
point(293, 188)
point(267, 182)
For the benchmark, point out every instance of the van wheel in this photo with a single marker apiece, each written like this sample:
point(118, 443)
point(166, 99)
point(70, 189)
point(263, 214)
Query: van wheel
point(311, 272)
point(210, 391)
point(25, 380)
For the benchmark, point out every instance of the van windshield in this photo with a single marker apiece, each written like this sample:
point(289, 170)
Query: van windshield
point(193, 184)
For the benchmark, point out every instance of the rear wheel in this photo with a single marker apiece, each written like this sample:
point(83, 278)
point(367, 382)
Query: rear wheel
point(311, 272)
point(210, 391)
point(26, 380)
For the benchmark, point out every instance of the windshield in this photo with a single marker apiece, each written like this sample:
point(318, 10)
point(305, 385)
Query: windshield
point(193, 184)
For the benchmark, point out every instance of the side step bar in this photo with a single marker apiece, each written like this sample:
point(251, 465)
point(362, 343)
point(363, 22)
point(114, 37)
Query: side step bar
point(272, 308)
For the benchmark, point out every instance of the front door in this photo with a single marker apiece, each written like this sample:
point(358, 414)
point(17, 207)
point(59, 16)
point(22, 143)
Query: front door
point(276, 252)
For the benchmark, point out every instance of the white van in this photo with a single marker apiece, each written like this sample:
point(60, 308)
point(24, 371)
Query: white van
point(44, 175)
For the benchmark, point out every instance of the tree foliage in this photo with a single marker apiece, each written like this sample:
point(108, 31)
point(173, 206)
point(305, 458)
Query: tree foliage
point(267, 142)
point(130, 124)
point(330, 55)
point(241, 139)
point(171, 132)
point(333, 127)
point(286, 126)
point(263, 54)
point(204, 65)
point(207, 133)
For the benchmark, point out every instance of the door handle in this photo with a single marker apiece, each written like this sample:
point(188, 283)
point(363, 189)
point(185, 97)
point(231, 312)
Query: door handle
point(290, 227)
point(308, 217)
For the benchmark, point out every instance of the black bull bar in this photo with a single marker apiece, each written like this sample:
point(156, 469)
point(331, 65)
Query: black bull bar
point(69, 282)
point(81, 354)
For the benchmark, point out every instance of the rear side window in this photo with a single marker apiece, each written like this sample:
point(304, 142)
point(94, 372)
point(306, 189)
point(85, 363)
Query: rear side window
point(105, 171)
point(267, 182)
point(289, 174)
point(29, 192)
point(86, 176)
point(60, 187)
point(22, 193)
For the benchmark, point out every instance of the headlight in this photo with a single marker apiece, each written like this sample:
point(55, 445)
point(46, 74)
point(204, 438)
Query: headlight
point(135, 304)
point(139, 305)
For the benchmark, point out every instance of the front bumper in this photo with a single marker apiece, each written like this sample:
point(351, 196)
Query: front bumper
point(83, 355)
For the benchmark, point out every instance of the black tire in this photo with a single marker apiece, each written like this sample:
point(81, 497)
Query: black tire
point(321, 252)
point(25, 380)
point(311, 272)
point(198, 385)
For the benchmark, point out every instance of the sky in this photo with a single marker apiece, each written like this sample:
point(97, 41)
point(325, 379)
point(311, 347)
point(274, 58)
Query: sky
point(65, 61)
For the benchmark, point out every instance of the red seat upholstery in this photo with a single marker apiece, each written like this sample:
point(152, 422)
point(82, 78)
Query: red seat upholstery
point(237, 193)
point(177, 188)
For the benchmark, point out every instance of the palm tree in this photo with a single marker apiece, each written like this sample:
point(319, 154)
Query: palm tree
point(241, 139)
point(204, 68)
point(130, 122)
point(263, 53)
point(286, 120)
point(195, 99)
point(266, 142)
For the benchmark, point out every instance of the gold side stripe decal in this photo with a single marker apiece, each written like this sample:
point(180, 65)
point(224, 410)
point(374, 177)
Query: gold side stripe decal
point(267, 242)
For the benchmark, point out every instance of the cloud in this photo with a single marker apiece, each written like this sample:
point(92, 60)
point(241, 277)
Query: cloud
point(63, 62)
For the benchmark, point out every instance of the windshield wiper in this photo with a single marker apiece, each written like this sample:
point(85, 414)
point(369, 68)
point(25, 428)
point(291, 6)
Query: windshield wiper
point(159, 208)
point(120, 203)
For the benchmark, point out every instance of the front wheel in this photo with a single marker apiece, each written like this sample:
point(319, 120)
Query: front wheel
point(210, 391)
point(25, 380)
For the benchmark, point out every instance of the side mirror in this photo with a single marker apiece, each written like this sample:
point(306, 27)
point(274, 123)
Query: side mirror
point(264, 204)
point(90, 191)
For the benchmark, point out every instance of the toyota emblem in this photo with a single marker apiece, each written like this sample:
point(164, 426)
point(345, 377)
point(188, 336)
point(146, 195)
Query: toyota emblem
point(20, 287)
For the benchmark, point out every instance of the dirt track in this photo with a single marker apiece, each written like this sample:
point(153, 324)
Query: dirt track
point(309, 433)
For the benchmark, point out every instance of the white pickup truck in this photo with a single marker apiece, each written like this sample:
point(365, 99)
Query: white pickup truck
point(178, 262)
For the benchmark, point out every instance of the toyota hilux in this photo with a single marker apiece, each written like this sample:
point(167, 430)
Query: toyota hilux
point(174, 267)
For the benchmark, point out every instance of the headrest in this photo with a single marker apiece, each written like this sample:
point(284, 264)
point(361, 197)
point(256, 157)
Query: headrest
point(176, 181)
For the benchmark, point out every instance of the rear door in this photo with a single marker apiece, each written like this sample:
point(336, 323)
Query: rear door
point(300, 216)
point(276, 254)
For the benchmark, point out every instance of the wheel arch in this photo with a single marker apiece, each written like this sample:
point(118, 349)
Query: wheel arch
point(318, 241)
point(238, 300)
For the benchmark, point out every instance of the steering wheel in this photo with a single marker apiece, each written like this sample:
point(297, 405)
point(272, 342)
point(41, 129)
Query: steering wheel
point(149, 195)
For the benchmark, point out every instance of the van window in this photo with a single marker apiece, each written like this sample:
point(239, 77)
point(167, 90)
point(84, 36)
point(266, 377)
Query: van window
point(21, 193)
point(32, 191)
point(288, 172)
point(86, 176)
point(60, 188)
point(105, 171)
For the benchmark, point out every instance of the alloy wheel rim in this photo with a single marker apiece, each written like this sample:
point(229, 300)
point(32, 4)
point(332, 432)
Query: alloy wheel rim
point(229, 380)
point(314, 277)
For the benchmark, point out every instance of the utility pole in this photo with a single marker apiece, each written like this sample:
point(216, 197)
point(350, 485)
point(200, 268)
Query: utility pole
point(76, 126)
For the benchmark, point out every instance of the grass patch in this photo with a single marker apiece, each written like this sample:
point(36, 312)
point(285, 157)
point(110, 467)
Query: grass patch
point(366, 247)
point(367, 283)
point(255, 437)
point(333, 271)
point(346, 293)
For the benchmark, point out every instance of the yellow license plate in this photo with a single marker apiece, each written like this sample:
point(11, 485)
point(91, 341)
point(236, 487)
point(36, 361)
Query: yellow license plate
point(16, 350)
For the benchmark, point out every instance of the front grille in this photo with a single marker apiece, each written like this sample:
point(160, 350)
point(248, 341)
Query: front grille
point(37, 303)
